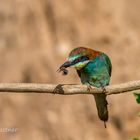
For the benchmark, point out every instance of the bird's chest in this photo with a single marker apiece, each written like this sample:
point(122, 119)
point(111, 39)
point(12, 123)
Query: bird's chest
point(86, 74)
point(94, 75)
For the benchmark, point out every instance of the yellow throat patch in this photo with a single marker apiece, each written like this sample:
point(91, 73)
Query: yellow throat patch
point(80, 65)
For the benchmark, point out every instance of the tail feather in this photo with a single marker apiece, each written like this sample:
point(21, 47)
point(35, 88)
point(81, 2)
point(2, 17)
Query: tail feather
point(101, 104)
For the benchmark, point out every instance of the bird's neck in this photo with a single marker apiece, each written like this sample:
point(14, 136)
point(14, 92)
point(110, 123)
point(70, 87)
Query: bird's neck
point(81, 65)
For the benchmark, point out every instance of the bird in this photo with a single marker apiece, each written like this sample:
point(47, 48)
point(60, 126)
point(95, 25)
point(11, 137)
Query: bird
point(94, 69)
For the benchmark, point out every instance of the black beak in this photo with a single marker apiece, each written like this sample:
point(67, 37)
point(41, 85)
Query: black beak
point(66, 64)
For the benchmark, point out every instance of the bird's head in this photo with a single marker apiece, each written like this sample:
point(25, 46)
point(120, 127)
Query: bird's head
point(79, 57)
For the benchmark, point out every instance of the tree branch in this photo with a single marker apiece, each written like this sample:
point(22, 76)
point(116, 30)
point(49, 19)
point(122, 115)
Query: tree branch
point(67, 89)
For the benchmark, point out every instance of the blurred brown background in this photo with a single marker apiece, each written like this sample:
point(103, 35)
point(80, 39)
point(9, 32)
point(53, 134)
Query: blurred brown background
point(35, 38)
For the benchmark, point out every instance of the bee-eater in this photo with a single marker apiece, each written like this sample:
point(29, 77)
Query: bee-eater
point(94, 69)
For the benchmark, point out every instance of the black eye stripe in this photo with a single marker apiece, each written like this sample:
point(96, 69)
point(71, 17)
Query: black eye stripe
point(81, 59)
point(84, 58)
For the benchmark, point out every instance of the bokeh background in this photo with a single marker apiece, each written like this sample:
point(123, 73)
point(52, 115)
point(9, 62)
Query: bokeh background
point(36, 37)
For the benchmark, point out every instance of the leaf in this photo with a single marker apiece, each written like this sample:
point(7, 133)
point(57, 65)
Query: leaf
point(135, 138)
point(137, 97)
point(139, 113)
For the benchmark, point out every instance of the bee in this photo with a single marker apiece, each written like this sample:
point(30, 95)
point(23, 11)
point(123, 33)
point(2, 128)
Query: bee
point(63, 70)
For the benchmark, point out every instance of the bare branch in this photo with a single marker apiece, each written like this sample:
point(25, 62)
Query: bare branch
point(67, 89)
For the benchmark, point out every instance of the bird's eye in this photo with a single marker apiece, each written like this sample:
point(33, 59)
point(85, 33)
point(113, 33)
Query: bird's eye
point(79, 59)
point(83, 58)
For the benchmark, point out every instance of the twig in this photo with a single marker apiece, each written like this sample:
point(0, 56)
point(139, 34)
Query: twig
point(67, 89)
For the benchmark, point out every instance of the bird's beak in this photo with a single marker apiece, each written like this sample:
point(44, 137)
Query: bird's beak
point(66, 64)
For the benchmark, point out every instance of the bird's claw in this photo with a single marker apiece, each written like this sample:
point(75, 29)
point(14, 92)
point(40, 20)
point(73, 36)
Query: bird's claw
point(89, 88)
point(104, 89)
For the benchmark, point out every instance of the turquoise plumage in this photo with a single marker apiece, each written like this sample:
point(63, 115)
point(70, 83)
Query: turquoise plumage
point(94, 69)
point(97, 72)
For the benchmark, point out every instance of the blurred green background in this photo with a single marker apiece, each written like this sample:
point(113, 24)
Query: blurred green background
point(36, 37)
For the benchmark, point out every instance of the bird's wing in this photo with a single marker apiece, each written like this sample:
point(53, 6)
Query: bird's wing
point(98, 71)
point(108, 63)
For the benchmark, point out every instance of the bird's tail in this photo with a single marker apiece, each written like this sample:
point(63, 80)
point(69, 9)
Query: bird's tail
point(101, 104)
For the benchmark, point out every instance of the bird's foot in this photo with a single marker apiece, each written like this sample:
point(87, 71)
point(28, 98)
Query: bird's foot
point(104, 89)
point(89, 88)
